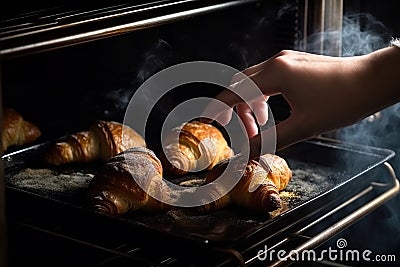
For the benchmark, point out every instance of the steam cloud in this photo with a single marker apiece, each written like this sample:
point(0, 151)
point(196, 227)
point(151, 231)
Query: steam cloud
point(153, 60)
point(362, 34)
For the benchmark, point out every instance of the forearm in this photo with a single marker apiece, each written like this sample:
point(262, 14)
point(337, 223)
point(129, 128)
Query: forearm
point(325, 93)
point(333, 93)
point(382, 78)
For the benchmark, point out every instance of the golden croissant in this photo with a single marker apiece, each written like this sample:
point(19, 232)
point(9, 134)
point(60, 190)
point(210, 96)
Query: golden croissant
point(16, 130)
point(199, 146)
point(258, 188)
point(103, 140)
point(124, 182)
point(132, 180)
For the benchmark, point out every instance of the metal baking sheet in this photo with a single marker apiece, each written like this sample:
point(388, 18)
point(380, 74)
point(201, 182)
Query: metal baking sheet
point(320, 167)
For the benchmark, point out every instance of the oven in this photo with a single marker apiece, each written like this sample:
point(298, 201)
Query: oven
point(64, 66)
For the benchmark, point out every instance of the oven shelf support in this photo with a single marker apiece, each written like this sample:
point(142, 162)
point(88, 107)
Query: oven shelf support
point(345, 222)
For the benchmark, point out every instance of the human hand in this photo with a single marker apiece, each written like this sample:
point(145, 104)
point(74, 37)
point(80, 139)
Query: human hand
point(325, 93)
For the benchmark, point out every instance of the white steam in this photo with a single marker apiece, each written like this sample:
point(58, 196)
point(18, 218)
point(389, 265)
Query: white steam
point(362, 34)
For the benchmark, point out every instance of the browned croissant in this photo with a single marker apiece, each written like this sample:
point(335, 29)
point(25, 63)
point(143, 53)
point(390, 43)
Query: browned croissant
point(103, 140)
point(132, 180)
point(258, 189)
point(123, 182)
point(16, 130)
point(200, 146)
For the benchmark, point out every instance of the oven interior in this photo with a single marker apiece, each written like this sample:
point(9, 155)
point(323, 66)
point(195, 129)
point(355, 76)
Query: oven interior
point(96, 80)
point(64, 86)
point(331, 183)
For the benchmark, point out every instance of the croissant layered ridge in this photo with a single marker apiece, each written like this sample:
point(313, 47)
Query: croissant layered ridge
point(193, 146)
point(258, 188)
point(133, 180)
point(123, 183)
point(103, 140)
point(16, 130)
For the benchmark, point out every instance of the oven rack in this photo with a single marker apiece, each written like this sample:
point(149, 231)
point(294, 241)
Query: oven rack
point(299, 234)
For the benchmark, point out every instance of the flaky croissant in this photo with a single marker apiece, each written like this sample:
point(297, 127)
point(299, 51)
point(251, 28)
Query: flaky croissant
point(258, 188)
point(103, 140)
point(124, 181)
point(16, 130)
point(132, 180)
point(200, 146)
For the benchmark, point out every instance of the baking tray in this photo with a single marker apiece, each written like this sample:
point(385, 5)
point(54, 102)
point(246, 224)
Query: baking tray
point(325, 171)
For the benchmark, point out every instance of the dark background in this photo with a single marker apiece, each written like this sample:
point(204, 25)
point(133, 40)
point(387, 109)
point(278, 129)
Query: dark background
point(65, 90)
point(379, 231)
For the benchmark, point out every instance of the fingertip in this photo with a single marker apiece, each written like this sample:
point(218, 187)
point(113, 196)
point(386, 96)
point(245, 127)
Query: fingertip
point(260, 110)
point(212, 110)
point(225, 117)
point(249, 124)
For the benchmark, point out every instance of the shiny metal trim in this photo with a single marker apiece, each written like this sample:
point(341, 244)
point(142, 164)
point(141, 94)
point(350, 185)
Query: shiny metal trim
point(346, 221)
point(57, 23)
point(327, 18)
point(113, 31)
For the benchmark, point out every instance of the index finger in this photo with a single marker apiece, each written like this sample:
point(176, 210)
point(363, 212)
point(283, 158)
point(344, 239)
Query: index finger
point(216, 110)
point(221, 107)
